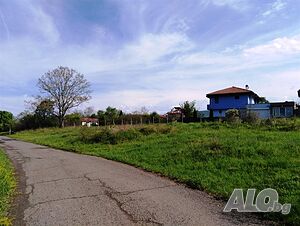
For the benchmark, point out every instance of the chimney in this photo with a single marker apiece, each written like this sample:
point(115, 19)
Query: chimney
point(246, 86)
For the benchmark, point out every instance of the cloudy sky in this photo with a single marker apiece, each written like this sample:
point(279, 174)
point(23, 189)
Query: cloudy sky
point(151, 53)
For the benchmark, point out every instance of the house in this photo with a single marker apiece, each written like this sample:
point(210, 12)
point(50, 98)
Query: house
point(203, 115)
point(175, 114)
point(230, 98)
point(89, 122)
point(246, 101)
point(285, 109)
point(261, 110)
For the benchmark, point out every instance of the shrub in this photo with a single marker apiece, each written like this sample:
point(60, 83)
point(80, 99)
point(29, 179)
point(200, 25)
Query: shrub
point(90, 135)
point(282, 124)
point(147, 130)
point(252, 118)
point(129, 134)
point(232, 116)
point(114, 135)
point(165, 129)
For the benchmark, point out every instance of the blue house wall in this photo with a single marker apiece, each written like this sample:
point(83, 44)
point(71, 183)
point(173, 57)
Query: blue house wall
point(221, 103)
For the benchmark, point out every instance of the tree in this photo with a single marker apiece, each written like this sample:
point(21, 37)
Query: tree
point(188, 108)
point(26, 120)
point(73, 118)
point(112, 114)
point(6, 120)
point(101, 116)
point(154, 116)
point(66, 88)
point(44, 114)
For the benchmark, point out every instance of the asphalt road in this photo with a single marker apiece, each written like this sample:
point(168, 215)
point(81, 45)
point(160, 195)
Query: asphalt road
point(64, 188)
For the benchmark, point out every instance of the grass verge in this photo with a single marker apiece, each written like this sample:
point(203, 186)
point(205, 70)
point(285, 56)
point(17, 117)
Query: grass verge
point(213, 157)
point(7, 187)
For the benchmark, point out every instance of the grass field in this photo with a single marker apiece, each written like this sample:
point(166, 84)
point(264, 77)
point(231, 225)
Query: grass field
point(7, 187)
point(214, 157)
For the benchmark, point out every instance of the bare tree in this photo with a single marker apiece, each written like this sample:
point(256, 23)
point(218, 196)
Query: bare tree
point(66, 88)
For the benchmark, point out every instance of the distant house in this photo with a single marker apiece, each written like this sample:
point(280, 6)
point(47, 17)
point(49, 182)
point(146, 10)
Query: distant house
point(261, 110)
point(230, 98)
point(203, 115)
point(89, 122)
point(283, 109)
point(246, 101)
point(175, 114)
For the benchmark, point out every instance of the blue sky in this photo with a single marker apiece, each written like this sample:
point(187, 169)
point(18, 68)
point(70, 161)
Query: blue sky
point(151, 53)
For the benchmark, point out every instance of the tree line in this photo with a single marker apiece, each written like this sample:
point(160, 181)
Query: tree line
point(62, 90)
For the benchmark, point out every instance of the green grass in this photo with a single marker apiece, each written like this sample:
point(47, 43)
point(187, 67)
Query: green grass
point(213, 157)
point(7, 187)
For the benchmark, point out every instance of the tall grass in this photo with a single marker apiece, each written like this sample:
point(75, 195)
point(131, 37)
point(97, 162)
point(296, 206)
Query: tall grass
point(215, 157)
point(7, 187)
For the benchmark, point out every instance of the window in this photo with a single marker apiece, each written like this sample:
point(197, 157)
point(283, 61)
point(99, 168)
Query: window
point(237, 97)
point(276, 111)
point(216, 100)
point(289, 112)
point(282, 112)
point(220, 112)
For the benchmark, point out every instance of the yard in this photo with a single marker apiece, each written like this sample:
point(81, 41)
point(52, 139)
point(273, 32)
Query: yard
point(215, 157)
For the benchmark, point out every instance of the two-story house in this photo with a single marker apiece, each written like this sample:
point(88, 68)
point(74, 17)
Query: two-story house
point(230, 98)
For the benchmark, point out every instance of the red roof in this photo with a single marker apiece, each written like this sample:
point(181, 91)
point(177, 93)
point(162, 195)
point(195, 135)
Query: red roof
point(89, 120)
point(230, 90)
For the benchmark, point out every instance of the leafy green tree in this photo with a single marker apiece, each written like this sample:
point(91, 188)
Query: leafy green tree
point(101, 117)
point(154, 116)
point(112, 114)
point(73, 118)
point(26, 120)
point(6, 120)
point(44, 114)
point(188, 108)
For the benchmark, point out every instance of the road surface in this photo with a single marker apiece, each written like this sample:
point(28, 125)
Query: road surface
point(64, 188)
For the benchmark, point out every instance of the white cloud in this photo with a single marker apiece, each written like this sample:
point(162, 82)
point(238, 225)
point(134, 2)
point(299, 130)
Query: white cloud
point(277, 6)
point(277, 47)
point(4, 25)
point(151, 48)
point(205, 59)
point(239, 5)
point(43, 23)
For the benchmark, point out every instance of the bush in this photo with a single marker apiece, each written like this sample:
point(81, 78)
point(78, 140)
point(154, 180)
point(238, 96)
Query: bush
point(90, 135)
point(232, 116)
point(252, 118)
point(147, 130)
point(127, 135)
point(114, 135)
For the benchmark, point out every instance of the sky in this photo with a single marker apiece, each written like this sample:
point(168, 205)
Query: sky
point(151, 53)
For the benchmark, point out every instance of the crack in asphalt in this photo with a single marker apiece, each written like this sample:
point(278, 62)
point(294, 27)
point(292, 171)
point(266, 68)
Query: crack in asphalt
point(62, 199)
point(55, 180)
point(110, 192)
